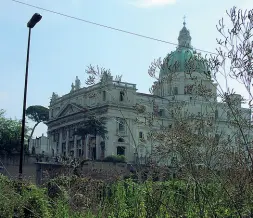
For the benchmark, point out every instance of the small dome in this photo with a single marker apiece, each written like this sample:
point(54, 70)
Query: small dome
point(184, 59)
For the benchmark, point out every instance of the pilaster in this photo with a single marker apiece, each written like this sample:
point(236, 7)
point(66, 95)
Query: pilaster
point(86, 150)
point(98, 148)
point(60, 142)
point(75, 148)
point(67, 143)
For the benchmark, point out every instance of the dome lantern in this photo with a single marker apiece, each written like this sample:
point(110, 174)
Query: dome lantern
point(184, 38)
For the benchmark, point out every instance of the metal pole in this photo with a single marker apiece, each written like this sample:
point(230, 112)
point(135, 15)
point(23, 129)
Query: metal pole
point(24, 109)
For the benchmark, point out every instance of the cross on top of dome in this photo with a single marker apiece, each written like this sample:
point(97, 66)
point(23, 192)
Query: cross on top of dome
point(184, 20)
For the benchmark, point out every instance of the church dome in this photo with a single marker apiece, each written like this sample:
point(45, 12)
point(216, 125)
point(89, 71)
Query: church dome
point(184, 59)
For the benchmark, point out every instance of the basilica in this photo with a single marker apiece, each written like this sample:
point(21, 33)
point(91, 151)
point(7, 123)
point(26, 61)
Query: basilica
point(130, 114)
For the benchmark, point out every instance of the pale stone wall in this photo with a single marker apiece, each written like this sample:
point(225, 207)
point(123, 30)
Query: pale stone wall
point(41, 145)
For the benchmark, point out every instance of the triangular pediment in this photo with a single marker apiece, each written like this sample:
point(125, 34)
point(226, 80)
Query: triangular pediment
point(70, 109)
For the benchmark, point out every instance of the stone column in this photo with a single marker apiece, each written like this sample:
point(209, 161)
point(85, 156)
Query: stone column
point(86, 150)
point(52, 147)
point(52, 144)
point(81, 147)
point(60, 142)
point(75, 155)
point(98, 148)
point(67, 143)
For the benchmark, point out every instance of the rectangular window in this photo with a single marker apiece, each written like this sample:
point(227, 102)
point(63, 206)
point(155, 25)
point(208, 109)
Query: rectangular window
point(104, 95)
point(175, 91)
point(217, 138)
point(121, 150)
point(63, 146)
point(121, 125)
point(121, 96)
point(141, 135)
point(161, 112)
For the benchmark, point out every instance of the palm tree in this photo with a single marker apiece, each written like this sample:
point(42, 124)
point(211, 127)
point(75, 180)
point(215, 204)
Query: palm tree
point(95, 126)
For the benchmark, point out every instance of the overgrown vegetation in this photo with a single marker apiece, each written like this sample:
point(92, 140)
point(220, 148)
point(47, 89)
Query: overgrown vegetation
point(85, 197)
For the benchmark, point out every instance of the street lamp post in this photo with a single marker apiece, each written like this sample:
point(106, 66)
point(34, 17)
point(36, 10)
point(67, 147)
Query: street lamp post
point(32, 22)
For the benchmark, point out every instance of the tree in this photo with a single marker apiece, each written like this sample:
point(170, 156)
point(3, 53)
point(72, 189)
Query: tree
point(234, 61)
point(38, 114)
point(95, 126)
point(10, 134)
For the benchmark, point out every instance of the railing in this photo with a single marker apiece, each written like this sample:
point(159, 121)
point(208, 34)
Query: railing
point(124, 84)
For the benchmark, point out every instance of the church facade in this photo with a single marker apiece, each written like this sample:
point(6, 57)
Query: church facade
point(131, 114)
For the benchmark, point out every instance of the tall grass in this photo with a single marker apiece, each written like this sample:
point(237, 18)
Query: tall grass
point(83, 197)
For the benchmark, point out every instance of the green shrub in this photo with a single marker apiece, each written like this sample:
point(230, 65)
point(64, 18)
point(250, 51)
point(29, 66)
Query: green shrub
point(35, 202)
point(23, 200)
point(115, 159)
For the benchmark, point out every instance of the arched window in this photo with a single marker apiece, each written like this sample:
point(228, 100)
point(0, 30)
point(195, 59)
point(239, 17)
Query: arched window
point(121, 140)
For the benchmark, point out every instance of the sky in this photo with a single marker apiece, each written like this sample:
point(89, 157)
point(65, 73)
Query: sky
point(62, 48)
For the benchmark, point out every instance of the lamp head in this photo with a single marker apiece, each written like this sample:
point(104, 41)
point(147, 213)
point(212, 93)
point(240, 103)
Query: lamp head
point(34, 20)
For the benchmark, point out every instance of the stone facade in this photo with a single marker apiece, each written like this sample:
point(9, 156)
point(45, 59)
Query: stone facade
point(40, 145)
point(120, 102)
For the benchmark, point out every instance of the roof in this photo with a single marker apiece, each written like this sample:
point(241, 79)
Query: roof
point(184, 58)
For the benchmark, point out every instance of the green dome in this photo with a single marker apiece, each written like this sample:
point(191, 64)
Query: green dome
point(184, 59)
